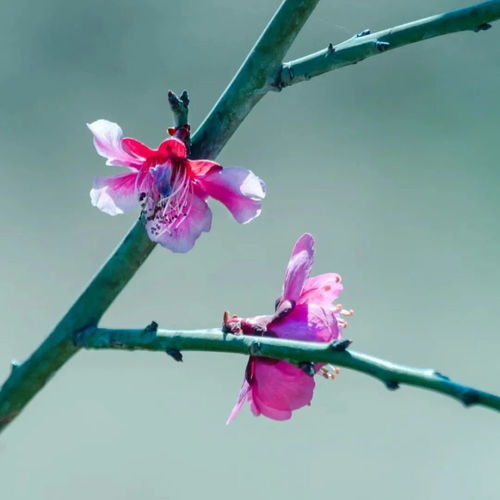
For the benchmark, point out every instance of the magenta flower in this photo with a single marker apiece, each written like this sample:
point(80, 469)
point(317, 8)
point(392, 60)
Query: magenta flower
point(304, 311)
point(171, 189)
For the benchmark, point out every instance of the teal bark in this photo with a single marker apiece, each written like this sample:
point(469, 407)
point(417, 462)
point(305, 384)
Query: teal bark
point(214, 340)
point(262, 71)
point(244, 91)
point(362, 46)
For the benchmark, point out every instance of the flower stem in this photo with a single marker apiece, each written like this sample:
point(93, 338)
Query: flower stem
point(215, 340)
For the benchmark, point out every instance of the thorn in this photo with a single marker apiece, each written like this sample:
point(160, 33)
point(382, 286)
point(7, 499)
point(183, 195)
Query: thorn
point(440, 375)
point(175, 353)
point(14, 365)
point(392, 385)
point(255, 349)
point(363, 33)
point(482, 27)
point(382, 46)
point(330, 48)
point(340, 345)
point(151, 328)
point(307, 367)
point(470, 397)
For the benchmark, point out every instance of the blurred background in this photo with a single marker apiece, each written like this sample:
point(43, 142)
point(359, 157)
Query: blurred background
point(392, 164)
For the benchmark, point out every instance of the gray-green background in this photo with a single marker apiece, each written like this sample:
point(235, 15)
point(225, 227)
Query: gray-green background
point(392, 164)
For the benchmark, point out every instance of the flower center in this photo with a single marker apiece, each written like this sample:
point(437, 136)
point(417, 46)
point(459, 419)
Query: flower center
point(166, 204)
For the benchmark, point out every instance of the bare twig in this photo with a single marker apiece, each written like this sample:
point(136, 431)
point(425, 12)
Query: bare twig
point(365, 44)
point(215, 340)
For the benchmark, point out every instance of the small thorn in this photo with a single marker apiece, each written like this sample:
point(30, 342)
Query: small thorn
point(470, 398)
point(255, 349)
point(382, 46)
point(14, 364)
point(330, 48)
point(392, 385)
point(340, 345)
point(483, 27)
point(151, 328)
point(440, 375)
point(363, 33)
point(308, 368)
point(175, 353)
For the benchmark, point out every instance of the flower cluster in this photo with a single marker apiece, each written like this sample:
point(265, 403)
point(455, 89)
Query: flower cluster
point(304, 311)
point(172, 191)
point(170, 188)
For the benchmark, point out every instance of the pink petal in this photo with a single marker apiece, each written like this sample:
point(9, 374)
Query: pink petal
point(322, 289)
point(299, 267)
point(242, 397)
point(137, 148)
point(240, 190)
point(115, 195)
point(278, 388)
point(307, 322)
point(108, 143)
point(173, 148)
point(181, 236)
point(200, 168)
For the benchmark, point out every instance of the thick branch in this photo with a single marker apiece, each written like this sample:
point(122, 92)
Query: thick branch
point(363, 45)
point(238, 99)
point(215, 340)
point(254, 79)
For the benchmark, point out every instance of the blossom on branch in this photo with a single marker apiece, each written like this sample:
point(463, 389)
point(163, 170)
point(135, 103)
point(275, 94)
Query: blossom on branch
point(170, 188)
point(304, 312)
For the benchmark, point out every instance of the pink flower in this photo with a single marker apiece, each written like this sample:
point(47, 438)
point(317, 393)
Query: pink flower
point(304, 311)
point(171, 189)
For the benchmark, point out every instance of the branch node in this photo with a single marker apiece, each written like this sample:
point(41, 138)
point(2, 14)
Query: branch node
point(255, 349)
point(175, 354)
point(392, 385)
point(362, 33)
point(308, 368)
point(440, 375)
point(470, 397)
point(14, 365)
point(340, 345)
point(482, 27)
point(151, 328)
point(80, 336)
point(382, 46)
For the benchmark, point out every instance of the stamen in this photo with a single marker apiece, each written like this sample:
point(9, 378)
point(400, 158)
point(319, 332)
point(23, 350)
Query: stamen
point(329, 372)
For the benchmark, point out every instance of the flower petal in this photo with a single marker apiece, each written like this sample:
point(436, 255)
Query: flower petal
point(322, 289)
point(200, 168)
point(299, 267)
point(242, 397)
point(115, 195)
point(278, 388)
point(108, 143)
point(137, 148)
point(181, 236)
point(173, 148)
point(239, 189)
point(307, 322)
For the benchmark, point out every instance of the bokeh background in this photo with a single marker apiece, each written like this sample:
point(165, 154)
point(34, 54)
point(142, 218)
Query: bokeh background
point(393, 165)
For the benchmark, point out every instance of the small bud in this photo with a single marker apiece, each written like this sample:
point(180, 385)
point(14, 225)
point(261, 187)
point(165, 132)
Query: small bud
point(383, 46)
point(175, 353)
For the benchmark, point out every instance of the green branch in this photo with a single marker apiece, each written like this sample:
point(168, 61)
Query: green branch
point(364, 45)
point(29, 377)
point(173, 342)
point(262, 71)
